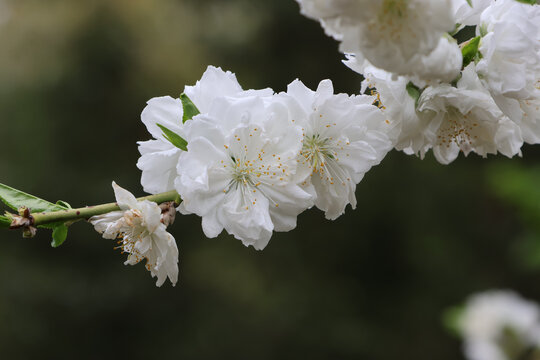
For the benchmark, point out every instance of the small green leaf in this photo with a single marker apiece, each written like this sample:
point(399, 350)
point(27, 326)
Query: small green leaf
point(531, 2)
point(59, 235)
point(64, 204)
point(173, 138)
point(469, 2)
point(414, 92)
point(470, 51)
point(15, 199)
point(4, 222)
point(190, 110)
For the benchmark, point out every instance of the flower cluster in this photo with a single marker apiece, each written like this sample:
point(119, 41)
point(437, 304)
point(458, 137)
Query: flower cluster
point(250, 161)
point(256, 159)
point(480, 96)
point(500, 325)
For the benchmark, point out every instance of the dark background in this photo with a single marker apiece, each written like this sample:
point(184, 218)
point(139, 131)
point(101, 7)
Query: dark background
point(74, 77)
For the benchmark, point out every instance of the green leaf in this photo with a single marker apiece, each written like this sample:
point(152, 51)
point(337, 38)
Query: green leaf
point(64, 204)
point(531, 2)
point(190, 110)
point(414, 92)
point(4, 222)
point(469, 2)
point(470, 51)
point(173, 138)
point(59, 235)
point(15, 199)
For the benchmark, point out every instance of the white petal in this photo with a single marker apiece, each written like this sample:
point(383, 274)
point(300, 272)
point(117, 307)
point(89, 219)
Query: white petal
point(124, 198)
point(109, 225)
point(214, 83)
point(158, 165)
point(165, 111)
point(211, 225)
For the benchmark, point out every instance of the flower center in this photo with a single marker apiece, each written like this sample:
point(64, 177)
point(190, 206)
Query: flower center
point(242, 172)
point(317, 151)
point(457, 129)
point(320, 154)
point(250, 177)
point(394, 21)
point(393, 8)
point(131, 235)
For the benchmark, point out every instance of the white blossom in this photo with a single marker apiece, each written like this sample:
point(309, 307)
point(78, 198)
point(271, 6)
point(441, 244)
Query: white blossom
point(465, 118)
point(499, 325)
point(344, 136)
point(448, 119)
point(159, 157)
point(239, 173)
point(393, 34)
point(142, 235)
point(510, 48)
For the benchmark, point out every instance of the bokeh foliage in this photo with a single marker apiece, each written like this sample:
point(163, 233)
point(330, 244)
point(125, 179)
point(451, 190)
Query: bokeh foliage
point(74, 77)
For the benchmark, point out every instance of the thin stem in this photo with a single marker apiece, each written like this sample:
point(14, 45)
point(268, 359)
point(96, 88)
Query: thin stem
point(89, 211)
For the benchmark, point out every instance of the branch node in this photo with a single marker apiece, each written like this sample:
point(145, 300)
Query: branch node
point(24, 220)
point(168, 212)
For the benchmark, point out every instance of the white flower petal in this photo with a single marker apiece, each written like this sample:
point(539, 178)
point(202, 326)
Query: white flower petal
point(469, 14)
point(124, 198)
point(165, 111)
point(216, 83)
point(108, 224)
point(158, 165)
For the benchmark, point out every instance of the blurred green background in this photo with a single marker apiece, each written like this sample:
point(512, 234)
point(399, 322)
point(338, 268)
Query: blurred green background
point(74, 77)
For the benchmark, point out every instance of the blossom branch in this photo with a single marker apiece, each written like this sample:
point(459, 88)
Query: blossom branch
point(44, 218)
